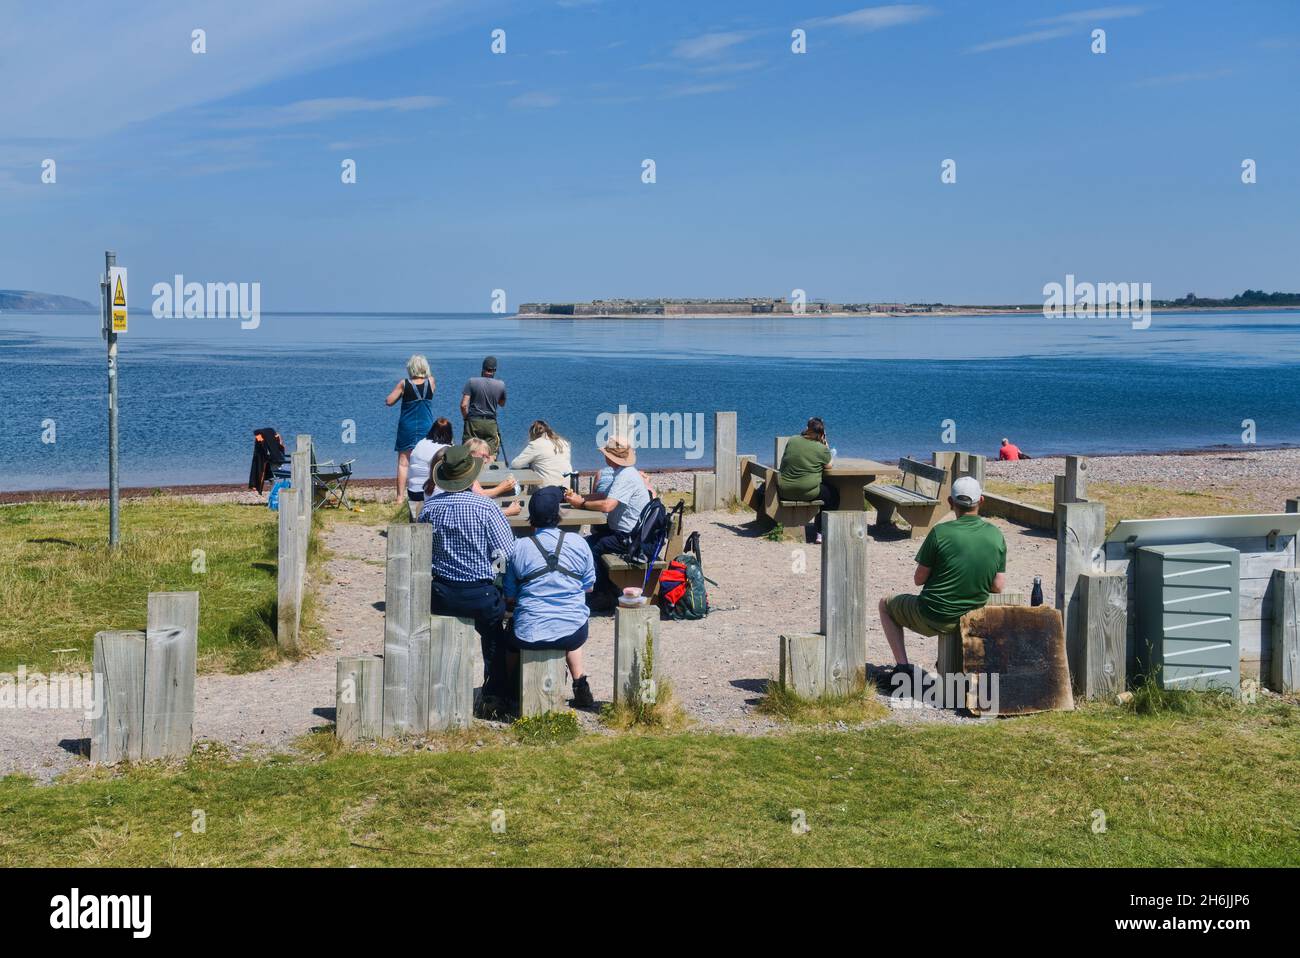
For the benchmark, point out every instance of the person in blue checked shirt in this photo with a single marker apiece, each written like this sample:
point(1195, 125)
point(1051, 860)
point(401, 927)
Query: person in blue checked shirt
point(472, 542)
point(546, 582)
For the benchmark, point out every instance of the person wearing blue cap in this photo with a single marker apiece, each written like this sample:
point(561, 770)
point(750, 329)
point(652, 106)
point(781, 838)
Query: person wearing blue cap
point(546, 582)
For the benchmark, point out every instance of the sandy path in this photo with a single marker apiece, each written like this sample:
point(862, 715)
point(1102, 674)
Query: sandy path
point(717, 665)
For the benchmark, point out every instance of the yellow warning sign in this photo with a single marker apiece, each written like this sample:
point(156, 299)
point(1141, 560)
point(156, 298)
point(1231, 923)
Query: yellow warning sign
point(119, 320)
point(119, 296)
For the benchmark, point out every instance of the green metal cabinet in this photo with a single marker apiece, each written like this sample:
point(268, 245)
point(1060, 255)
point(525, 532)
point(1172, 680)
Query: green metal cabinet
point(1187, 615)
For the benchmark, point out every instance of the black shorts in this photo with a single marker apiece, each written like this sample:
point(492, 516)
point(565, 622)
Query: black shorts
point(567, 642)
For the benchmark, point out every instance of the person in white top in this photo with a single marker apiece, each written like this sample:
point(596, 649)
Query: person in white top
point(547, 454)
point(439, 437)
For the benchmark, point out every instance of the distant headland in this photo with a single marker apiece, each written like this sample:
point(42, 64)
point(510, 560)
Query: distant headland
point(26, 301)
point(762, 306)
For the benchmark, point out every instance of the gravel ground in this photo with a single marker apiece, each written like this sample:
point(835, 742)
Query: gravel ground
point(718, 666)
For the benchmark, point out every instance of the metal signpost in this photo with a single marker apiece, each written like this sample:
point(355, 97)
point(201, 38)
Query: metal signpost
point(113, 293)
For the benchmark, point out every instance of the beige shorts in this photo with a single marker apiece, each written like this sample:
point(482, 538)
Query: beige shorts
point(905, 609)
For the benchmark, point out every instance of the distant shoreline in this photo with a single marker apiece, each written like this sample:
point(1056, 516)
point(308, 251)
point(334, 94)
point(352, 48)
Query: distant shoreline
point(955, 311)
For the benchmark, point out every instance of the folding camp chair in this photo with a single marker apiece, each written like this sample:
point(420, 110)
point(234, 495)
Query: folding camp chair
point(329, 484)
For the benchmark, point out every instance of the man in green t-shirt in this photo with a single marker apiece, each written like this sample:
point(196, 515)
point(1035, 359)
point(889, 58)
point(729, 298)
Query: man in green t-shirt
point(959, 564)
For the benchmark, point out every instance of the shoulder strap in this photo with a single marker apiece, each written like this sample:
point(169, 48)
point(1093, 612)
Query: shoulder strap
point(552, 560)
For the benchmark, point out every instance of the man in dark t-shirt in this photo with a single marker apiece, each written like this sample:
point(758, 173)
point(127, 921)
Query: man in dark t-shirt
point(482, 396)
point(959, 564)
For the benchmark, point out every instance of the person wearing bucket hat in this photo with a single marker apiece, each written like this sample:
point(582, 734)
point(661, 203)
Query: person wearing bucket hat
point(623, 501)
point(471, 541)
point(958, 565)
point(482, 396)
point(546, 582)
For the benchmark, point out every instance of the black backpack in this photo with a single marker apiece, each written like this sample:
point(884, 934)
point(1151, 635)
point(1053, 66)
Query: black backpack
point(653, 529)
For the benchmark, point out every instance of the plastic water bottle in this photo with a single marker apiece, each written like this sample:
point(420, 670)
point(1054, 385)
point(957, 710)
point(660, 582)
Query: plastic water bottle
point(1036, 598)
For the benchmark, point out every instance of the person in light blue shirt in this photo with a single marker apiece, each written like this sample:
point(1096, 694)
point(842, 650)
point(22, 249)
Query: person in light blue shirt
point(622, 502)
point(546, 582)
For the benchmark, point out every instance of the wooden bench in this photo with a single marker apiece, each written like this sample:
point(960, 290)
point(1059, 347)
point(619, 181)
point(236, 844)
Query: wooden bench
point(788, 513)
point(626, 575)
point(920, 498)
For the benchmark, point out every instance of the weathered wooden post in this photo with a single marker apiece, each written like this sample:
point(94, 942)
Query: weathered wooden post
point(1284, 665)
point(116, 729)
point(1096, 650)
point(451, 672)
point(779, 451)
point(408, 577)
point(1076, 479)
point(724, 457)
point(803, 664)
point(636, 635)
point(541, 681)
point(844, 598)
point(301, 470)
point(289, 586)
point(705, 497)
point(359, 698)
point(170, 663)
point(1080, 535)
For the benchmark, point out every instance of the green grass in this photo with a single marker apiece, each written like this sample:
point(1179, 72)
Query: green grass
point(59, 584)
point(1175, 791)
point(1132, 501)
point(853, 708)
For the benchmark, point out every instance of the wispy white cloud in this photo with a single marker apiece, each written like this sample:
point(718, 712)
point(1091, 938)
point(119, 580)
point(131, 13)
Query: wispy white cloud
point(328, 108)
point(1020, 40)
point(699, 89)
point(139, 64)
point(876, 18)
point(1173, 79)
point(708, 45)
point(1094, 15)
point(535, 100)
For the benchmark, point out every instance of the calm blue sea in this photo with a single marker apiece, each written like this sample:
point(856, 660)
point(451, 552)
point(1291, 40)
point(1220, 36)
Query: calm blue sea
point(192, 390)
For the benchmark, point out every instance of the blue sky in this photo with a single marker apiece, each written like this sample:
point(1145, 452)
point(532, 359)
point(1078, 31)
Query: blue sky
point(775, 171)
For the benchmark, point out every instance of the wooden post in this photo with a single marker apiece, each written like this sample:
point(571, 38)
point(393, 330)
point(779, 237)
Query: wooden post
point(1058, 491)
point(170, 661)
point(116, 729)
point(844, 598)
point(705, 498)
point(803, 664)
point(407, 581)
point(541, 681)
point(288, 585)
point(451, 672)
point(300, 466)
point(1076, 479)
point(635, 629)
point(359, 698)
point(1284, 664)
point(724, 457)
point(1096, 650)
point(1080, 534)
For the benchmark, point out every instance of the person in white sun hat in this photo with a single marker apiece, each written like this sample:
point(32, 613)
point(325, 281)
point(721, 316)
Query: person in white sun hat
point(958, 565)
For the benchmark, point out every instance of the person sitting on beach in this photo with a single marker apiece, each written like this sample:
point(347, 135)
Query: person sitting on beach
point(801, 476)
point(547, 454)
point(1010, 452)
point(416, 394)
point(471, 541)
point(482, 396)
point(958, 565)
point(627, 495)
point(421, 464)
point(481, 451)
point(546, 582)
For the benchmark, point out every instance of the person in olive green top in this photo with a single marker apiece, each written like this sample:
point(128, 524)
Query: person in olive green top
point(959, 564)
point(800, 476)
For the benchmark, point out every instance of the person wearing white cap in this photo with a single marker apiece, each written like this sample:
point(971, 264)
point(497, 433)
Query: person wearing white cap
point(958, 565)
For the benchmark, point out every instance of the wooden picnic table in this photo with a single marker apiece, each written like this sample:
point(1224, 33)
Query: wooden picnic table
point(495, 472)
point(570, 518)
point(849, 476)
